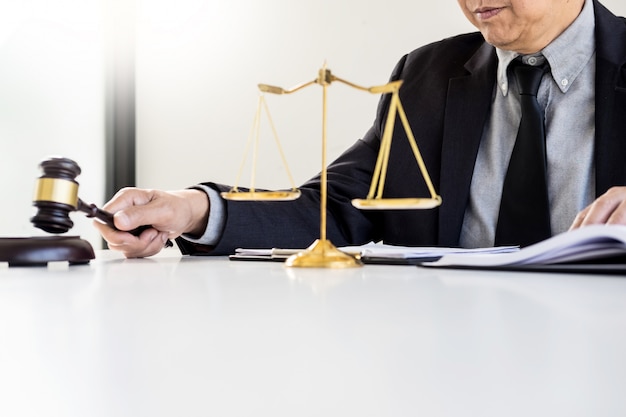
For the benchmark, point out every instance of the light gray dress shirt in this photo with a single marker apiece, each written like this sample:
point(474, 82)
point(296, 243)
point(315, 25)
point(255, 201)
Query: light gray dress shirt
point(567, 93)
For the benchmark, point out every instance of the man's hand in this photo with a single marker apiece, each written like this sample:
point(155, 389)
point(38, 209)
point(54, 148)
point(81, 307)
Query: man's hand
point(609, 208)
point(170, 213)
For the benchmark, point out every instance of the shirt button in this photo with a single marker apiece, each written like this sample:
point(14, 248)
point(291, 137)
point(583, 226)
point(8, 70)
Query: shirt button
point(532, 60)
point(564, 82)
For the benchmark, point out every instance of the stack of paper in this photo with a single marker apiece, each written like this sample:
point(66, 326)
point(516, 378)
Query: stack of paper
point(592, 248)
point(374, 253)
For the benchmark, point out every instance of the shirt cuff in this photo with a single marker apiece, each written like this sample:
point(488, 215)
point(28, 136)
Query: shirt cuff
point(215, 224)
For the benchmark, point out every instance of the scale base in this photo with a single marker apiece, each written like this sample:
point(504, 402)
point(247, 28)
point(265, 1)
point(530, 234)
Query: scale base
point(38, 251)
point(322, 254)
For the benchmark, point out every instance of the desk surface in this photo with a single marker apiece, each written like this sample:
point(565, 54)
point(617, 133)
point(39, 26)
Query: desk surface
point(182, 336)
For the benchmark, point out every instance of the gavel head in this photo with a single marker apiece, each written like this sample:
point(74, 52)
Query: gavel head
point(56, 195)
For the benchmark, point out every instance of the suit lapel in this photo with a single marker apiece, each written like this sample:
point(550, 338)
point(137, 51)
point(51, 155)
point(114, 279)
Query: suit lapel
point(467, 108)
point(610, 146)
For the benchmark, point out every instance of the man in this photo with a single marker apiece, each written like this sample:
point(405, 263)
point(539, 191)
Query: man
point(462, 103)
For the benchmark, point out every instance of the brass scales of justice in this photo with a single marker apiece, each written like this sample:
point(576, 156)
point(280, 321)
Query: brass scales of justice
point(322, 253)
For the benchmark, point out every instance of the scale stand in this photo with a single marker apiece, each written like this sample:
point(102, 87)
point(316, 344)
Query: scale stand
point(322, 253)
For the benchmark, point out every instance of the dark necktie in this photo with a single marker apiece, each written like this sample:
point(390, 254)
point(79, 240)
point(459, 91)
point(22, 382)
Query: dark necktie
point(524, 216)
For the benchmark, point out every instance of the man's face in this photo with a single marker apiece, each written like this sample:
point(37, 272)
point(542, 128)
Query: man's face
point(524, 26)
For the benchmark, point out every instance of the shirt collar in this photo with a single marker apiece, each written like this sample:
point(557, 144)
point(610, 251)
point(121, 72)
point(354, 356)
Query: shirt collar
point(567, 55)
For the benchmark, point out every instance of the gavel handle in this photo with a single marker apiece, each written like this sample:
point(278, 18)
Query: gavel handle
point(107, 218)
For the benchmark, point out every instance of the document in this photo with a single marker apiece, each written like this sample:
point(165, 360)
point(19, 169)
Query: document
point(374, 253)
point(598, 248)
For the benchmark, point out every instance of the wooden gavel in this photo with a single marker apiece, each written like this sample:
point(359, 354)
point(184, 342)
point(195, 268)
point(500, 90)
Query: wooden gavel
point(56, 195)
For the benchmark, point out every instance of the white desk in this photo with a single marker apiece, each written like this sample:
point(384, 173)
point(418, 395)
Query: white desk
point(172, 336)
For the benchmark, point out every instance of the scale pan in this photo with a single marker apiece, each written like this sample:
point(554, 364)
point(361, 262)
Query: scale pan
point(396, 203)
point(261, 195)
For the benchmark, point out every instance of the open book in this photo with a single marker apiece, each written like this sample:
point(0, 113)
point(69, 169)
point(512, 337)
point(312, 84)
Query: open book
point(600, 248)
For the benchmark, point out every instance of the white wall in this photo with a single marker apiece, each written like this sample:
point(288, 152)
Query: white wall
point(199, 61)
point(51, 103)
point(198, 64)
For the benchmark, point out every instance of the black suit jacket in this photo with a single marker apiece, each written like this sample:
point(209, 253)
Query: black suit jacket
point(447, 95)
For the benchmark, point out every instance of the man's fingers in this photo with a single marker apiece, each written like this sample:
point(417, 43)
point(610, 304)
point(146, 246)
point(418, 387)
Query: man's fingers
point(609, 208)
point(128, 197)
point(601, 209)
point(164, 214)
point(618, 216)
point(132, 217)
point(128, 208)
point(580, 218)
point(148, 243)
